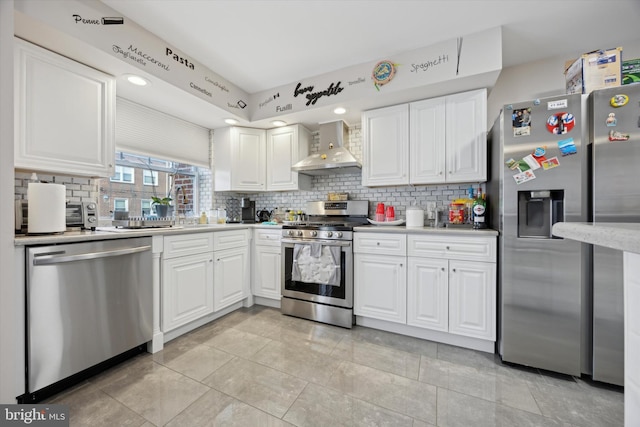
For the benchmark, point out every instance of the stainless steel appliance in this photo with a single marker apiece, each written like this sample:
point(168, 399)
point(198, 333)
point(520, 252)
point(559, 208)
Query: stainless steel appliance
point(248, 215)
point(86, 303)
point(615, 151)
point(332, 157)
point(539, 177)
point(83, 215)
point(317, 262)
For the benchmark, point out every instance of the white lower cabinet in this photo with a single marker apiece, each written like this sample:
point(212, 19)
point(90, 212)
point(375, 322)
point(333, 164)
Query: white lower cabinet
point(231, 268)
point(187, 280)
point(380, 287)
point(439, 283)
point(267, 264)
point(428, 293)
point(472, 299)
point(380, 276)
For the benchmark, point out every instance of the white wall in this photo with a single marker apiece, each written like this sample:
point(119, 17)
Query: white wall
point(10, 367)
point(538, 79)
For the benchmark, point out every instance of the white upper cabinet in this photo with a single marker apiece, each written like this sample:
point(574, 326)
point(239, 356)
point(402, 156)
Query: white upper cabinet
point(385, 133)
point(64, 114)
point(466, 137)
point(239, 159)
point(252, 160)
point(285, 147)
point(435, 141)
point(427, 141)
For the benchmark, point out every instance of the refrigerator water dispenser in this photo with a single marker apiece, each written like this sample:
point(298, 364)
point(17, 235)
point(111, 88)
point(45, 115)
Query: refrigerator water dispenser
point(538, 211)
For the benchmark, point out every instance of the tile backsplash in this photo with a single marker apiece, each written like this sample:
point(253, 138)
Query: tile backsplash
point(399, 197)
point(79, 189)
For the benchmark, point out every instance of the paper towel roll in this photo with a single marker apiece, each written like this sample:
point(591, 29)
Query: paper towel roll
point(47, 208)
point(415, 217)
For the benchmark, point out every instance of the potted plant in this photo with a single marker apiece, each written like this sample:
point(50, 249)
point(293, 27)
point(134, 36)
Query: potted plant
point(162, 206)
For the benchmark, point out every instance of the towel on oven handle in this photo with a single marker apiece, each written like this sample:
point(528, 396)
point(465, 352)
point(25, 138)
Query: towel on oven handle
point(316, 265)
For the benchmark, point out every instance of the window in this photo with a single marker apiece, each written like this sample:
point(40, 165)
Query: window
point(123, 174)
point(155, 178)
point(150, 177)
point(120, 204)
point(145, 205)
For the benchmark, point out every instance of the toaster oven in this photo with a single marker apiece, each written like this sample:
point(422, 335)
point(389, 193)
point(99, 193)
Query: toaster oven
point(83, 215)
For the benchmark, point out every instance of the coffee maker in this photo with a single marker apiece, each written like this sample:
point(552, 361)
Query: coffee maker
point(248, 211)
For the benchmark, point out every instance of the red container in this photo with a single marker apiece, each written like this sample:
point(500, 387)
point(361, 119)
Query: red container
point(391, 214)
point(380, 208)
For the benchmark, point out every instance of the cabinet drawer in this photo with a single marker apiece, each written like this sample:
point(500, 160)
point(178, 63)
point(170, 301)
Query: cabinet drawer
point(267, 237)
point(459, 247)
point(187, 244)
point(380, 243)
point(230, 239)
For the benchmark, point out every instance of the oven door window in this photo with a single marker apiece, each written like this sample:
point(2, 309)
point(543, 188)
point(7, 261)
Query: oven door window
point(326, 290)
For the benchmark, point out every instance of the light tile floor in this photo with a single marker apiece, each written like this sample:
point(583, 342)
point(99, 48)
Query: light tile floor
point(256, 367)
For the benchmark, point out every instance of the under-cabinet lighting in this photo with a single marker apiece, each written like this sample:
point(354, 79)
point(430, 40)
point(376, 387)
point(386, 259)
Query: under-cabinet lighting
point(137, 80)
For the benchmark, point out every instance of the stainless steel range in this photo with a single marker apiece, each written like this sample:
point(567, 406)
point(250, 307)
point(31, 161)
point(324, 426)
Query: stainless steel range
point(317, 262)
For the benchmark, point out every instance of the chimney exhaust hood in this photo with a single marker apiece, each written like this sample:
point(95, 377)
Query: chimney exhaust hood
point(332, 157)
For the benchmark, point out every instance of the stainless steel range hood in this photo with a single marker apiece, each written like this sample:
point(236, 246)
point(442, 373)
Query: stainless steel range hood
point(332, 156)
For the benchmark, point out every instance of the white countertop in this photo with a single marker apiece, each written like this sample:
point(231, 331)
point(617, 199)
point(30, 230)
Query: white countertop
point(622, 236)
point(104, 233)
point(425, 230)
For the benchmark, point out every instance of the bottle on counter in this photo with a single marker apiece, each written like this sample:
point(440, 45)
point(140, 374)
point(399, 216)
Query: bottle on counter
point(203, 218)
point(480, 211)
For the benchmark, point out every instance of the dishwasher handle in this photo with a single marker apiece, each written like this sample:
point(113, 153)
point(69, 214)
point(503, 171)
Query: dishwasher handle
point(58, 257)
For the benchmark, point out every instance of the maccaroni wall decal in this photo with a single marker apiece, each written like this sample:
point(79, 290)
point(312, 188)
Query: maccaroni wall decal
point(447, 66)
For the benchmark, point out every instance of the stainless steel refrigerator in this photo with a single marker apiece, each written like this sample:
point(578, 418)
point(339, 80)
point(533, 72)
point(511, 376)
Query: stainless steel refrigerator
point(614, 116)
point(539, 177)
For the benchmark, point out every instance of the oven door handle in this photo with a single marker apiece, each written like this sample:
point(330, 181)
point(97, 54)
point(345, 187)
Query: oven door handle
point(323, 242)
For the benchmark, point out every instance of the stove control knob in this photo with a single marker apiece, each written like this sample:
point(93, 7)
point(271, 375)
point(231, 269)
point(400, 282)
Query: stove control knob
point(339, 234)
point(329, 233)
point(290, 233)
point(314, 233)
point(300, 233)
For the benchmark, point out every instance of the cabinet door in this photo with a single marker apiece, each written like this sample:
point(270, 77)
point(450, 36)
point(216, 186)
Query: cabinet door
point(467, 136)
point(427, 141)
point(187, 289)
point(231, 277)
point(428, 293)
point(248, 154)
point(65, 114)
point(285, 146)
point(472, 299)
point(385, 148)
point(380, 287)
point(267, 272)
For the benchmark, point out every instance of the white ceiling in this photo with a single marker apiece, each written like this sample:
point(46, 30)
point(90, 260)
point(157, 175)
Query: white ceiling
point(262, 44)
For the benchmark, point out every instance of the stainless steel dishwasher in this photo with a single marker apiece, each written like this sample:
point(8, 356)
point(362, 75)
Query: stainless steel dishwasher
point(86, 303)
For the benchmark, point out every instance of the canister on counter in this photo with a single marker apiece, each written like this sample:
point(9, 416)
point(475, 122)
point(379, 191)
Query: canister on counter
point(457, 212)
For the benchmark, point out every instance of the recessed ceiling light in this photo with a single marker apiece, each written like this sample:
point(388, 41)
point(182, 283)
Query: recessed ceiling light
point(137, 80)
point(231, 121)
point(278, 123)
point(340, 110)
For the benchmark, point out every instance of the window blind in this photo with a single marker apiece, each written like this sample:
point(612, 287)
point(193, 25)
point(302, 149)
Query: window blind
point(142, 130)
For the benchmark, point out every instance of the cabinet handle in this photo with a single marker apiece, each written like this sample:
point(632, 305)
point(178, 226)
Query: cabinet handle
point(400, 265)
point(442, 268)
point(210, 260)
point(454, 270)
point(447, 247)
point(218, 259)
point(378, 243)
